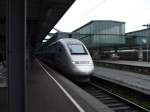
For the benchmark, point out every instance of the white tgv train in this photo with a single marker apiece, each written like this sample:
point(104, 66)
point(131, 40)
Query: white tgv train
point(71, 57)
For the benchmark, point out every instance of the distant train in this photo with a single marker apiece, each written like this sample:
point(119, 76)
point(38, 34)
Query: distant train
point(131, 54)
point(128, 54)
point(71, 57)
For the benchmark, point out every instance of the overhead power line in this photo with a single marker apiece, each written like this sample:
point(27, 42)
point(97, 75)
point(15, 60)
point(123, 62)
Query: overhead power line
point(100, 3)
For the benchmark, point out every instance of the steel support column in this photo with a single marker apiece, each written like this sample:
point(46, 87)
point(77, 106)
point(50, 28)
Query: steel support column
point(16, 48)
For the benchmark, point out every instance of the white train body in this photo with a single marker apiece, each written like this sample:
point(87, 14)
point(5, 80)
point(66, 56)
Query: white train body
point(71, 57)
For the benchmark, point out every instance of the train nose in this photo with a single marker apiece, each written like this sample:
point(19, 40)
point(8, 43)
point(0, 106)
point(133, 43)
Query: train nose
point(88, 69)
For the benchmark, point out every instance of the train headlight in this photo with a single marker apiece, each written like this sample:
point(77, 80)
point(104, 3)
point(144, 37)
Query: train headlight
point(73, 62)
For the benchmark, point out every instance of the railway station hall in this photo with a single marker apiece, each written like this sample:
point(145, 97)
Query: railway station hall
point(95, 66)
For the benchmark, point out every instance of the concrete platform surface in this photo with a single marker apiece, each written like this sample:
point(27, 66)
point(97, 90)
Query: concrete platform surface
point(125, 62)
point(132, 80)
point(44, 95)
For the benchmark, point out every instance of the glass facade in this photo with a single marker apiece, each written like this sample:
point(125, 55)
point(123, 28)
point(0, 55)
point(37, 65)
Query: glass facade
point(138, 37)
point(99, 33)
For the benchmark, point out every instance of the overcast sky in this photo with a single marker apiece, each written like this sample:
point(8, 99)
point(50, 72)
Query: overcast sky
point(134, 12)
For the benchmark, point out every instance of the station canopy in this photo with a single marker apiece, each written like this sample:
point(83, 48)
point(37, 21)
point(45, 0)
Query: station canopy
point(42, 16)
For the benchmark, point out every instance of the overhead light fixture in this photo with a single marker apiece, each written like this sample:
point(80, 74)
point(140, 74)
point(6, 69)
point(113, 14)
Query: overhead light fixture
point(44, 41)
point(48, 37)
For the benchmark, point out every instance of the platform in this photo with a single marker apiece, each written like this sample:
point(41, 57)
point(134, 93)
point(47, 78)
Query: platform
point(131, 80)
point(44, 94)
point(125, 62)
point(133, 66)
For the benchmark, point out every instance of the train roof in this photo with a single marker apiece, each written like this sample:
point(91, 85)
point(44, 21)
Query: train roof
point(70, 40)
point(67, 41)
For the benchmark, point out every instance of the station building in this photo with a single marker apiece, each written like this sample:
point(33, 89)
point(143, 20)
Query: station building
point(139, 40)
point(101, 35)
point(140, 37)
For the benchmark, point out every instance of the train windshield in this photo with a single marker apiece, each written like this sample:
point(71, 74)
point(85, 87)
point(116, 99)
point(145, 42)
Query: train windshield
point(77, 49)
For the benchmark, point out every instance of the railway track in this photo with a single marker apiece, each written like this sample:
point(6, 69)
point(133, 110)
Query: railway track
point(113, 101)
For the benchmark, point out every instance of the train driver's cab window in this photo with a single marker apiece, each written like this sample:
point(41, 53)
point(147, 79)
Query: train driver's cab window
point(77, 49)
